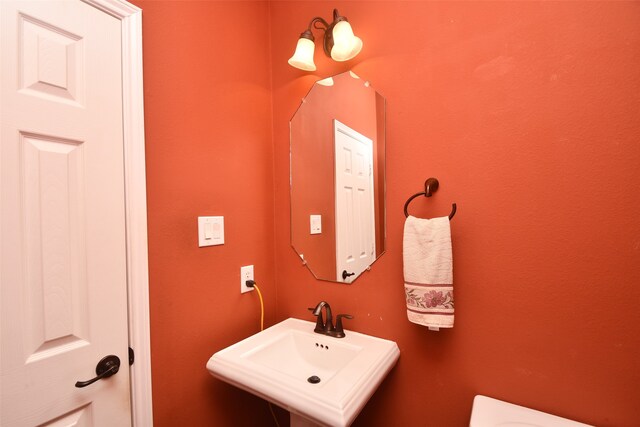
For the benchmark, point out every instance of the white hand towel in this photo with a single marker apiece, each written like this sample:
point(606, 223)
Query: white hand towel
point(428, 272)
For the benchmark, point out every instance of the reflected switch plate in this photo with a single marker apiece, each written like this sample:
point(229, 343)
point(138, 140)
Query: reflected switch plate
point(315, 222)
point(210, 230)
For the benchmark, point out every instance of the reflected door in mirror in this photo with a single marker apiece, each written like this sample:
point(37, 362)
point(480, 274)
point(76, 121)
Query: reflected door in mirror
point(355, 217)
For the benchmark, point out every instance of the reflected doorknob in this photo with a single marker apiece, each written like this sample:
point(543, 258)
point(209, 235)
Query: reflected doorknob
point(345, 274)
point(109, 365)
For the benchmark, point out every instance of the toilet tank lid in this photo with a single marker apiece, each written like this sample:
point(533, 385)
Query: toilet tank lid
point(488, 412)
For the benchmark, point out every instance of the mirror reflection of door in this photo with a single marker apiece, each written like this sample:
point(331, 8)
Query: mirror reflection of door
point(315, 218)
point(355, 216)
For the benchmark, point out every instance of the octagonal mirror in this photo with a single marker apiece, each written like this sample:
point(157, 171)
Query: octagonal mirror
point(337, 177)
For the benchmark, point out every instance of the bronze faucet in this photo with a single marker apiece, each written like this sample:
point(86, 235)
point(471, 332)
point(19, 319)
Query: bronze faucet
point(327, 328)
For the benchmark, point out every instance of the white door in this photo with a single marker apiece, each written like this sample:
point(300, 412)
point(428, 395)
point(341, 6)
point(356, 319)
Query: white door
point(355, 216)
point(63, 268)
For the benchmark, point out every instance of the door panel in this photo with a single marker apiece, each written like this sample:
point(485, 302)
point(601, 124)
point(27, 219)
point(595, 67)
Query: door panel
point(55, 273)
point(64, 300)
point(355, 216)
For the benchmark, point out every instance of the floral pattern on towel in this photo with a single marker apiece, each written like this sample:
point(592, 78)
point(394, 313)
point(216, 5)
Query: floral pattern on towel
point(429, 299)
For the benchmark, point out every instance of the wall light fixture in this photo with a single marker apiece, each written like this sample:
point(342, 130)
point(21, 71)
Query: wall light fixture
point(339, 42)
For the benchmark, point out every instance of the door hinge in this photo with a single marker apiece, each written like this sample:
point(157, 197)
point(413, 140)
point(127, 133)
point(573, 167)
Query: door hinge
point(132, 356)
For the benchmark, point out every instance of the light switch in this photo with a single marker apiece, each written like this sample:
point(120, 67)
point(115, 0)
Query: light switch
point(316, 224)
point(210, 230)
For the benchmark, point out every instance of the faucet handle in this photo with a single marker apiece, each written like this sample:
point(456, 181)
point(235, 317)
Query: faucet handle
point(339, 331)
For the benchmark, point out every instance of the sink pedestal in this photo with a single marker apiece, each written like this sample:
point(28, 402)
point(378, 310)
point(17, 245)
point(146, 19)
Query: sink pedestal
point(299, 421)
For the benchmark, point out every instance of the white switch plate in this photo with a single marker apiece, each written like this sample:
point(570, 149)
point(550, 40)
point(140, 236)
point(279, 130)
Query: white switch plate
point(210, 230)
point(246, 273)
point(315, 221)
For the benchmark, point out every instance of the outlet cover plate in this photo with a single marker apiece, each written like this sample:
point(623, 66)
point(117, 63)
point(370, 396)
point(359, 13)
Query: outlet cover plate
point(246, 273)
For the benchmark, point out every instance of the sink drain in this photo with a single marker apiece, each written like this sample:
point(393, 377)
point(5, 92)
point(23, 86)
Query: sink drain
point(313, 379)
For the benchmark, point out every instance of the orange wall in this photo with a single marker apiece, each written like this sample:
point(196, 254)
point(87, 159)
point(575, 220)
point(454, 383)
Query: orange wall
point(209, 152)
point(527, 113)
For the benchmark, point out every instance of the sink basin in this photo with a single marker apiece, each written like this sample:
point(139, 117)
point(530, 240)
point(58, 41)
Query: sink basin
point(322, 379)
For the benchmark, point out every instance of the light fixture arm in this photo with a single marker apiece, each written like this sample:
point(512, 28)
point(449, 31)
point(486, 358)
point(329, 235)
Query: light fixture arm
point(320, 20)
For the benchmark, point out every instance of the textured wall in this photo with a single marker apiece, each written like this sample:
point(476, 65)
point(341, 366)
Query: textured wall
point(527, 113)
point(209, 152)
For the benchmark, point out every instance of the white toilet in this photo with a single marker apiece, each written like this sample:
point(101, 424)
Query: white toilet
point(488, 412)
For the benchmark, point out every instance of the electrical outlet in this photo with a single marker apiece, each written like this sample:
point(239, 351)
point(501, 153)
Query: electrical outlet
point(246, 273)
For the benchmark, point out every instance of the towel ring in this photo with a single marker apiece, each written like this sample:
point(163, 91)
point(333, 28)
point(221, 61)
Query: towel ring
point(430, 186)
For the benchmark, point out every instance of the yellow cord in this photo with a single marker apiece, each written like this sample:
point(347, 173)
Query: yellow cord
point(273, 414)
point(261, 307)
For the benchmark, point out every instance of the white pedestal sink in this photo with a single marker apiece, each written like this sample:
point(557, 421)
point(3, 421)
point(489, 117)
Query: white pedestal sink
point(319, 379)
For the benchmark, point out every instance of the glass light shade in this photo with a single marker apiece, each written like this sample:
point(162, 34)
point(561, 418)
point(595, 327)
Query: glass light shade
point(345, 44)
point(303, 56)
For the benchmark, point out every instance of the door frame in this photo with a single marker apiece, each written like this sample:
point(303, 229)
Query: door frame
point(130, 17)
